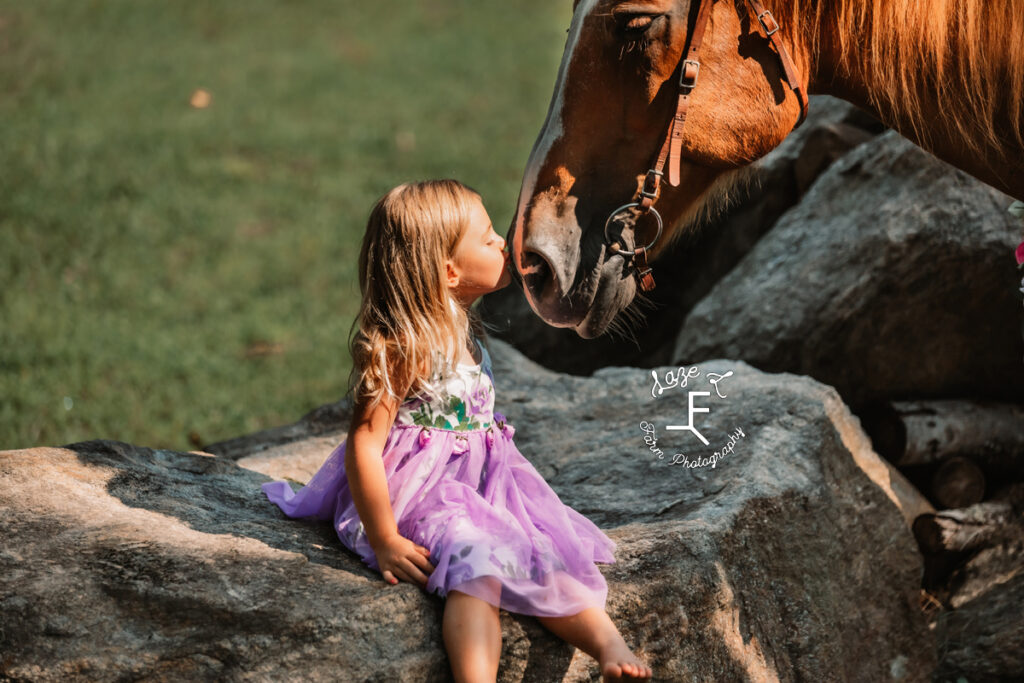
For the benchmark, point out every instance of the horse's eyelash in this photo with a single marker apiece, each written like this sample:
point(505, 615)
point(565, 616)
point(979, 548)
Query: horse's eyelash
point(640, 45)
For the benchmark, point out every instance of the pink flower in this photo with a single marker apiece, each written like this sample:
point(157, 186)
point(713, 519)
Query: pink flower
point(490, 438)
point(478, 400)
point(461, 445)
point(424, 437)
point(1020, 254)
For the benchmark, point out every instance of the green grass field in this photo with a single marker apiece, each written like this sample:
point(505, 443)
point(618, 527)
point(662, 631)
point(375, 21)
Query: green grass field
point(167, 270)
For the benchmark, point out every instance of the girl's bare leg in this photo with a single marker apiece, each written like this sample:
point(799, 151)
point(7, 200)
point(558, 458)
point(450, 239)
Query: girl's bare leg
point(472, 637)
point(593, 631)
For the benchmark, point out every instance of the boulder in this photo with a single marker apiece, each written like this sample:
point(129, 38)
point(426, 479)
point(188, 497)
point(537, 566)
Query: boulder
point(689, 268)
point(981, 640)
point(779, 549)
point(893, 278)
point(977, 572)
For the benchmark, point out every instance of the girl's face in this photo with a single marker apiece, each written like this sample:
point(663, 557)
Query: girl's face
point(480, 263)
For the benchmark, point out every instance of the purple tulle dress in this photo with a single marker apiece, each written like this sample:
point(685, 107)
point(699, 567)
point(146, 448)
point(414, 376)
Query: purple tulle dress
point(460, 487)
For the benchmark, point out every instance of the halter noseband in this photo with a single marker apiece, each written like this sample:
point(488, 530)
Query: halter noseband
point(649, 189)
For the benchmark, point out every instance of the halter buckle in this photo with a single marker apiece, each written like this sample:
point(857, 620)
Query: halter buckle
point(764, 24)
point(650, 186)
point(643, 271)
point(683, 76)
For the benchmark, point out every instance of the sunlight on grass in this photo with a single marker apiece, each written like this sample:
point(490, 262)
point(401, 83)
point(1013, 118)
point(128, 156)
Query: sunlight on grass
point(170, 269)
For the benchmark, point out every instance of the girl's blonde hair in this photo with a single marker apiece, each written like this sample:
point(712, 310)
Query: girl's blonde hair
point(409, 328)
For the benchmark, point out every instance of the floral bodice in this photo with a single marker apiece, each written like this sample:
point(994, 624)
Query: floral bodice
point(462, 400)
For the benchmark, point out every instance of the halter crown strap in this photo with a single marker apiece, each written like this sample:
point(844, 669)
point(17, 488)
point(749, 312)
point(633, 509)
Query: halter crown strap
point(771, 29)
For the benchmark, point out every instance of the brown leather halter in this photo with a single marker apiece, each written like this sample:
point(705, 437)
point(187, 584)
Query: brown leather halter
point(649, 189)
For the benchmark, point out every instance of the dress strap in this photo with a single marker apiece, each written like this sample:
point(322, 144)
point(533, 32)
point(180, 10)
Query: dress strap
point(485, 363)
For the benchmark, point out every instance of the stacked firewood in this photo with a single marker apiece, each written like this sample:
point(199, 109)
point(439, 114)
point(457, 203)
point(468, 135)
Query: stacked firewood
point(967, 457)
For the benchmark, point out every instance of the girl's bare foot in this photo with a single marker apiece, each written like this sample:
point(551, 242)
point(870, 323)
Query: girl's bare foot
point(618, 663)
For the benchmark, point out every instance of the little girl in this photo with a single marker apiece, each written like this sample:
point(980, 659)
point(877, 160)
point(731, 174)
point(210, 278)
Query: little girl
point(429, 487)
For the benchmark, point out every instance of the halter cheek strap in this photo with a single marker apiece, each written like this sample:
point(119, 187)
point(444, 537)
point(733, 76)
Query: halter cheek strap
point(671, 149)
point(649, 189)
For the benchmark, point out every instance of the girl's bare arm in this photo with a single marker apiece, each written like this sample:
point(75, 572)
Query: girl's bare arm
point(398, 557)
point(365, 469)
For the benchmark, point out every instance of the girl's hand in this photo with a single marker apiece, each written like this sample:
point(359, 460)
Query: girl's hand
point(400, 558)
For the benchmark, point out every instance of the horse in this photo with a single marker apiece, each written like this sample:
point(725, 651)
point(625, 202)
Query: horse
point(947, 74)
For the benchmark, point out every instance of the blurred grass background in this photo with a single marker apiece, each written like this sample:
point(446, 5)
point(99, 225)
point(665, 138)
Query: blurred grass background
point(167, 270)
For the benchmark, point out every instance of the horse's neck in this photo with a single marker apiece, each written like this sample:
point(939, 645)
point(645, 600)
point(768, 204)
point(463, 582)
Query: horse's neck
point(942, 119)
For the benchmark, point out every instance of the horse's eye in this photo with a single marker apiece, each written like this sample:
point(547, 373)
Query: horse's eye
point(634, 26)
point(638, 23)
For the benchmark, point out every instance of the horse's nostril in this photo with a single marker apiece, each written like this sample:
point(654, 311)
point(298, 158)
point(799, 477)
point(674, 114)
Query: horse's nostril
point(535, 265)
point(537, 273)
point(532, 260)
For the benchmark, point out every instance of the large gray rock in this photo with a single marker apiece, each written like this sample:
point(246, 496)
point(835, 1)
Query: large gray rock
point(790, 559)
point(689, 268)
point(892, 278)
point(983, 640)
point(979, 572)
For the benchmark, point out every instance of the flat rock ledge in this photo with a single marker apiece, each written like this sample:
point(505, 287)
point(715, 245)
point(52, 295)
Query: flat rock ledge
point(789, 559)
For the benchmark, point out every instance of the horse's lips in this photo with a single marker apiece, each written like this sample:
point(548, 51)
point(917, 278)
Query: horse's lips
point(605, 300)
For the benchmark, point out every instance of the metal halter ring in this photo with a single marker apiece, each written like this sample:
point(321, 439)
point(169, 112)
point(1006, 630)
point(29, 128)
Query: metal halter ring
point(616, 213)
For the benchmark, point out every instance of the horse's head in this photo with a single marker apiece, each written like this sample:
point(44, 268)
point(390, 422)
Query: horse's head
point(615, 95)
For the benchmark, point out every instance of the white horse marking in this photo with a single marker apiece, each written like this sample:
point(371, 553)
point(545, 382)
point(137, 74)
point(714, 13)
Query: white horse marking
point(552, 129)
